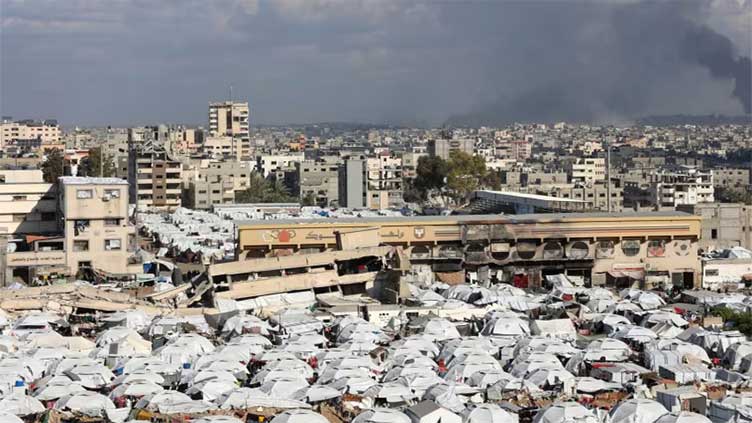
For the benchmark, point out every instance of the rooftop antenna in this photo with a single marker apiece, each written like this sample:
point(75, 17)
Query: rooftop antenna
point(230, 93)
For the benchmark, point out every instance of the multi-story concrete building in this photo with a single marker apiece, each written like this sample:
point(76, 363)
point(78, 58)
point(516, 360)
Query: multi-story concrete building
point(588, 170)
point(513, 149)
point(18, 132)
point(269, 163)
point(731, 178)
point(27, 203)
point(443, 147)
point(94, 214)
point(231, 119)
point(724, 225)
point(683, 186)
point(215, 183)
point(373, 183)
point(154, 178)
point(319, 179)
point(91, 234)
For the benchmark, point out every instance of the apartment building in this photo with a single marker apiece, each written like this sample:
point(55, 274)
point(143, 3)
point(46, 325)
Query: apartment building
point(683, 185)
point(731, 178)
point(410, 163)
point(595, 196)
point(270, 163)
point(16, 133)
point(513, 149)
point(154, 177)
point(91, 232)
point(94, 213)
point(215, 183)
point(373, 183)
point(230, 119)
point(319, 179)
point(587, 170)
point(27, 203)
point(443, 147)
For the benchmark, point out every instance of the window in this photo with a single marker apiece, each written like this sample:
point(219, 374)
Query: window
point(19, 197)
point(19, 217)
point(84, 194)
point(112, 244)
point(81, 245)
point(711, 272)
point(112, 222)
point(630, 247)
point(112, 193)
point(714, 234)
point(80, 226)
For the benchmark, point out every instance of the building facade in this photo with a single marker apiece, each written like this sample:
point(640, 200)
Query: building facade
point(18, 132)
point(231, 119)
point(154, 177)
point(28, 205)
point(373, 183)
point(619, 249)
point(318, 179)
point(215, 183)
point(443, 147)
point(724, 225)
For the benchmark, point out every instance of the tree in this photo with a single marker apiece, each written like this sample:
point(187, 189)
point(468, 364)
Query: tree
point(733, 195)
point(53, 166)
point(465, 174)
point(431, 174)
point(261, 190)
point(308, 200)
point(97, 163)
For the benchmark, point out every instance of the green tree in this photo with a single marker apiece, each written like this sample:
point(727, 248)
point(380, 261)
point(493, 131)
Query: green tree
point(261, 190)
point(53, 166)
point(733, 195)
point(308, 200)
point(98, 163)
point(465, 174)
point(431, 174)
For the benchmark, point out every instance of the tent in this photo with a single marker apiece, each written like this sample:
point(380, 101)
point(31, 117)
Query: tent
point(379, 415)
point(489, 413)
point(565, 412)
point(637, 411)
point(299, 416)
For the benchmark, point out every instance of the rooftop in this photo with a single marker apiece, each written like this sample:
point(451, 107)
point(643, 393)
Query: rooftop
point(79, 180)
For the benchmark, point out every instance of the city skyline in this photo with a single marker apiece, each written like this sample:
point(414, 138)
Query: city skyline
point(397, 62)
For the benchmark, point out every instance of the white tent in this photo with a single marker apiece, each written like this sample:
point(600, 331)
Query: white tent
point(683, 417)
point(87, 403)
point(9, 418)
point(381, 415)
point(299, 416)
point(489, 413)
point(565, 412)
point(21, 405)
point(637, 411)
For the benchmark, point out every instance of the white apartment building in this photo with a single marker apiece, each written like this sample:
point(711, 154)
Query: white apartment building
point(47, 131)
point(588, 170)
point(231, 119)
point(270, 163)
point(683, 186)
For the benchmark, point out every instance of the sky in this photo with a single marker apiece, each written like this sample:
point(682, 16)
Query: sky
point(403, 62)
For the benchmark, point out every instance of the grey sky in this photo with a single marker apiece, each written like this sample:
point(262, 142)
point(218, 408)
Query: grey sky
point(120, 62)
